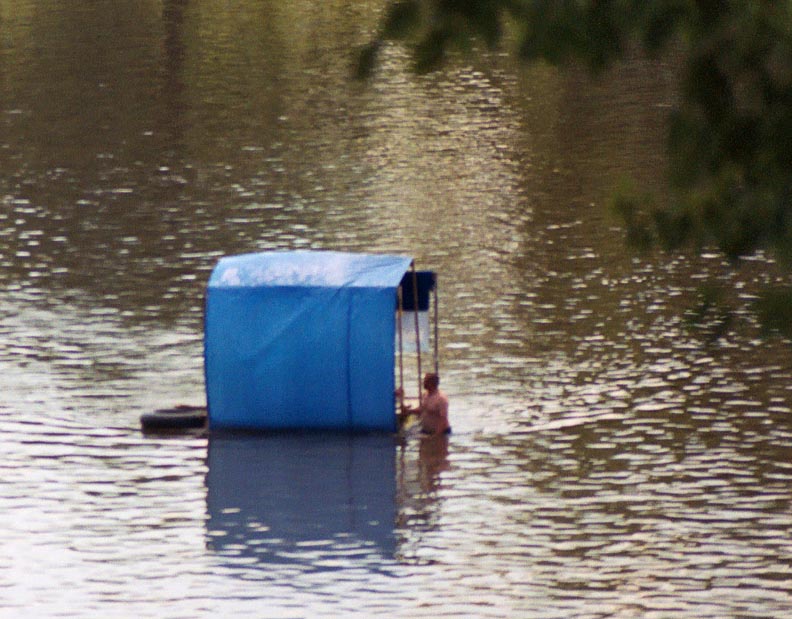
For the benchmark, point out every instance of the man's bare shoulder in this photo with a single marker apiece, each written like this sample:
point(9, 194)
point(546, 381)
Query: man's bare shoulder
point(437, 400)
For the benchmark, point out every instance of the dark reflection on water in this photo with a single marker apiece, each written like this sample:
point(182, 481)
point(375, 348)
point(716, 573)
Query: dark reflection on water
point(316, 502)
point(605, 461)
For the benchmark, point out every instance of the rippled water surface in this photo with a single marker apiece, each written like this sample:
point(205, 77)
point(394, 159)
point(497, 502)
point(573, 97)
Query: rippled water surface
point(605, 462)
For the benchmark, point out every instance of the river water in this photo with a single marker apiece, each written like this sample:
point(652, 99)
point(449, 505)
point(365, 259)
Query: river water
point(606, 460)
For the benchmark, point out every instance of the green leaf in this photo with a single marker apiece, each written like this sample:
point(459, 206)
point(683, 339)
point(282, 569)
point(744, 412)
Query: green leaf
point(402, 20)
point(367, 60)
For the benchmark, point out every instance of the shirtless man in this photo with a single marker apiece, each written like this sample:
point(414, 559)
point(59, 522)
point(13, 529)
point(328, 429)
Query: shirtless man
point(433, 410)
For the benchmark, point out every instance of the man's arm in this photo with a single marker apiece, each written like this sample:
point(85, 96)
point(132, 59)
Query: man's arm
point(407, 411)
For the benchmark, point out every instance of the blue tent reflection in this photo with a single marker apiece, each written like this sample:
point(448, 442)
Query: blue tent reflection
point(310, 502)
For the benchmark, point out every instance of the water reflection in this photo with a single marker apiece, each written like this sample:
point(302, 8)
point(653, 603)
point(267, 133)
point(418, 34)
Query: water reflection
point(310, 502)
point(422, 463)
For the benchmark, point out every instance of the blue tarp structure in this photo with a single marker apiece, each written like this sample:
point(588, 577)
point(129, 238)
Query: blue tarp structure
point(302, 340)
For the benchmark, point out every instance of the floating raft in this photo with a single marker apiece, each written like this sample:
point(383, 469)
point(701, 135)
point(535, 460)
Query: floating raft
point(181, 417)
point(306, 340)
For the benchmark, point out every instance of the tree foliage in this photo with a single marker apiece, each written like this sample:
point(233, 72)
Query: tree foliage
point(730, 136)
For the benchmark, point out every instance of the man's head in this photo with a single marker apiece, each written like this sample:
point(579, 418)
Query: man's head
point(431, 381)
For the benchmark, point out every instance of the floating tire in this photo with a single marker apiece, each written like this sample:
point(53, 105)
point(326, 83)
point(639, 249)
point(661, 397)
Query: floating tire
point(177, 418)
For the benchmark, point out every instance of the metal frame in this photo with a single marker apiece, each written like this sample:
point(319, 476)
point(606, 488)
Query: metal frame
point(399, 320)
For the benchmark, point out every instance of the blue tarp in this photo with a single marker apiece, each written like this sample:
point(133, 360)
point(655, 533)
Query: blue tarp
point(302, 340)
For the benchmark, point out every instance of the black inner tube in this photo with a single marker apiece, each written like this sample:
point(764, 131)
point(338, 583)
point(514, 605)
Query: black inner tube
point(178, 417)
